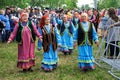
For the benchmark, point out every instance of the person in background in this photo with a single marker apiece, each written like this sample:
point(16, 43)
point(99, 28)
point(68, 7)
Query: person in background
point(102, 30)
point(112, 37)
point(39, 16)
point(6, 31)
point(32, 14)
point(91, 16)
point(76, 19)
point(97, 18)
point(52, 16)
point(39, 44)
point(7, 13)
point(102, 25)
point(13, 13)
point(118, 12)
point(70, 16)
point(67, 30)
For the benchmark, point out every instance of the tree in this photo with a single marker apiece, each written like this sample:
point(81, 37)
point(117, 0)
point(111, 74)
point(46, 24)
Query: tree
point(85, 7)
point(102, 4)
point(41, 3)
point(18, 3)
point(71, 4)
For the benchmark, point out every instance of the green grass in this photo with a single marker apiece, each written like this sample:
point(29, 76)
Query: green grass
point(67, 69)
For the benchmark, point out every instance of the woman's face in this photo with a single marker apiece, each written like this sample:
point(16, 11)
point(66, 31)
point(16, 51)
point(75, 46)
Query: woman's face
point(8, 11)
point(65, 18)
point(24, 18)
point(47, 21)
point(76, 14)
point(95, 12)
point(84, 17)
point(90, 12)
point(33, 11)
point(46, 12)
point(106, 13)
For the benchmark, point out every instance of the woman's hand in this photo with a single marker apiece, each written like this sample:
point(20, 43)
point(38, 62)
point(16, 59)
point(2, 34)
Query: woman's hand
point(8, 42)
point(75, 44)
point(111, 26)
point(40, 38)
point(97, 43)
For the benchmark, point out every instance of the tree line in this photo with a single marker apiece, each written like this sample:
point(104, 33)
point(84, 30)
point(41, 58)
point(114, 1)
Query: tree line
point(69, 4)
point(104, 4)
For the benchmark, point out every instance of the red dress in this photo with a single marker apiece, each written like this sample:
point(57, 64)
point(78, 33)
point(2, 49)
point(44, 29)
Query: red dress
point(26, 56)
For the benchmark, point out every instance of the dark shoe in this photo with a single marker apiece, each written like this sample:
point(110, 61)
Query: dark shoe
point(85, 70)
point(46, 70)
point(110, 57)
point(39, 49)
point(70, 53)
point(24, 70)
point(65, 53)
point(30, 69)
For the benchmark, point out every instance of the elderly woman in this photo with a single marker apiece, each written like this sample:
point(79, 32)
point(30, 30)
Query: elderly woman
point(84, 36)
point(51, 39)
point(25, 32)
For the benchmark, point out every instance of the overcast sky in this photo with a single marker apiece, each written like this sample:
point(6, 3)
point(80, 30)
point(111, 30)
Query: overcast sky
point(83, 2)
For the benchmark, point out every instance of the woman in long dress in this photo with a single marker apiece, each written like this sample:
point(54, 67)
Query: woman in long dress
point(25, 32)
point(51, 39)
point(67, 30)
point(84, 36)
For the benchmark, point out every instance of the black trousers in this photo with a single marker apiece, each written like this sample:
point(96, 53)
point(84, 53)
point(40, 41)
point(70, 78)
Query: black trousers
point(107, 50)
point(113, 48)
point(5, 35)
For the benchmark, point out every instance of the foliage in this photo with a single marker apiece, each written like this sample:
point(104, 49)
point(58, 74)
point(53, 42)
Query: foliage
point(71, 4)
point(56, 3)
point(16, 3)
point(108, 3)
point(42, 3)
point(85, 7)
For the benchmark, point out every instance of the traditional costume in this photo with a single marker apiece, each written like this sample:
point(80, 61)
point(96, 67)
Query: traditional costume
point(66, 31)
point(84, 36)
point(51, 39)
point(39, 42)
point(25, 36)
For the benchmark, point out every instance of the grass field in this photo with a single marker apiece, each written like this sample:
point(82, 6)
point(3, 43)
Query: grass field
point(67, 69)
